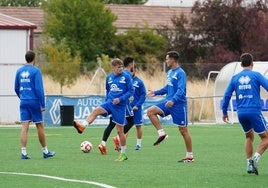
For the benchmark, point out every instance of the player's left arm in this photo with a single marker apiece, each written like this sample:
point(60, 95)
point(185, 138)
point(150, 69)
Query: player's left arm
point(39, 89)
point(181, 88)
point(142, 94)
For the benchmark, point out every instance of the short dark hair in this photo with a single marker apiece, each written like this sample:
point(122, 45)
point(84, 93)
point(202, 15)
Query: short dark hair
point(127, 61)
point(29, 56)
point(174, 55)
point(246, 59)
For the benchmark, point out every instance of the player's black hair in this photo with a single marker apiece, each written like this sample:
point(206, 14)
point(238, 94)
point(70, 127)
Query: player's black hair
point(246, 59)
point(29, 56)
point(174, 54)
point(127, 61)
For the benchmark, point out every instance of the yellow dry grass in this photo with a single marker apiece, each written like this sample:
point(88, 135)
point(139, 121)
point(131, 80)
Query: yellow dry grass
point(195, 90)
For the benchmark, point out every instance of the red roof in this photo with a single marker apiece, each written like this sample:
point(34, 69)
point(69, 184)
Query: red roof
point(128, 16)
point(34, 15)
point(8, 22)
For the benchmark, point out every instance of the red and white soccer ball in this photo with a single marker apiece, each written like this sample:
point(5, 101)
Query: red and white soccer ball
point(86, 146)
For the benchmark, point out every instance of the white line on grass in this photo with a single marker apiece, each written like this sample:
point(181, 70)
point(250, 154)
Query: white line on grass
point(59, 178)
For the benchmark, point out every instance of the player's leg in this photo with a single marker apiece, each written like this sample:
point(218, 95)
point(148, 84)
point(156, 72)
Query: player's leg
point(80, 127)
point(138, 121)
point(25, 118)
point(129, 125)
point(139, 137)
point(180, 118)
point(119, 118)
point(37, 118)
point(260, 127)
point(105, 136)
point(122, 138)
point(42, 140)
point(108, 130)
point(24, 139)
point(153, 113)
point(250, 123)
point(188, 144)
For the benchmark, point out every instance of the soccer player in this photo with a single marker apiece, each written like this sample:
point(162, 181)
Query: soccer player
point(29, 88)
point(138, 99)
point(118, 90)
point(175, 104)
point(128, 67)
point(246, 86)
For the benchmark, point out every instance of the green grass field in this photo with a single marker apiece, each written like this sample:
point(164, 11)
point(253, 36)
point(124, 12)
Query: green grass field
point(218, 150)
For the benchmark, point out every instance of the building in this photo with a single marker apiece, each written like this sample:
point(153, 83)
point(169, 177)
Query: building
point(16, 37)
point(128, 16)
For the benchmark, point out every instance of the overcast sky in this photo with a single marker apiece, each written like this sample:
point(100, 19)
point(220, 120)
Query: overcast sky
point(186, 3)
point(182, 3)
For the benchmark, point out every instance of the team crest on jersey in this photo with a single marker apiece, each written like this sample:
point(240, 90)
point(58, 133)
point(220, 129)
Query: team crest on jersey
point(122, 79)
point(114, 88)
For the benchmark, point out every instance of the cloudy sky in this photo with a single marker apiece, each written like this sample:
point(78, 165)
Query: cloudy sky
point(171, 2)
point(182, 3)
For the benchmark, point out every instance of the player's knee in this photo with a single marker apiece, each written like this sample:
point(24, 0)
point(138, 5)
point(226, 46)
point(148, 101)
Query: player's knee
point(150, 112)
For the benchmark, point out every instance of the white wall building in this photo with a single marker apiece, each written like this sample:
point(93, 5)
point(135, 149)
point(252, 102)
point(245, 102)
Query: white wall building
point(16, 37)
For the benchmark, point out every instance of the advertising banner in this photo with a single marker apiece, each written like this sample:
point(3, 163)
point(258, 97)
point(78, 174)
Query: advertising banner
point(83, 106)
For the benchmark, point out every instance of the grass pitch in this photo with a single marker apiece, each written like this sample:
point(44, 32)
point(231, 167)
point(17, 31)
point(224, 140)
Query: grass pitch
point(218, 150)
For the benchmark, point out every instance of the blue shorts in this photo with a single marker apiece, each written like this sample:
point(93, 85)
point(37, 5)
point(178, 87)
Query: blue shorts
point(129, 111)
point(178, 113)
point(252, 120)
point(118, 112)
point(30, 110)
point(138, 117)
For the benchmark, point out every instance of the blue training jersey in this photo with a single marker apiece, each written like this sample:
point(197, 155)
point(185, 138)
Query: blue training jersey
point(139, 95)
point(175, 89)
point(246, 85)
point(119, 86)
point(29, 84)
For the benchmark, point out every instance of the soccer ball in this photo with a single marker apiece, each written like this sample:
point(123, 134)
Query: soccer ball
point(86, 146)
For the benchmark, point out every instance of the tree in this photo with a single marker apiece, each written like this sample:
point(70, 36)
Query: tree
point(147, 47)
point(28, 3)
point(61, 66)
point(86, 26)
point(236, 24)
point(180, 38)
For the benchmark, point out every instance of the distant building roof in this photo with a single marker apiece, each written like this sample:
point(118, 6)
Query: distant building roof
point(8, 22)
point(30, 14)
point(128, 16)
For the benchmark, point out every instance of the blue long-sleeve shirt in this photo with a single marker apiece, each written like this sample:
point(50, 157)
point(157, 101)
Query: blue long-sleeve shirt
point(119, 86)
point(246, 85)
point(175, 89)
point(139, 95)
point(29, 84)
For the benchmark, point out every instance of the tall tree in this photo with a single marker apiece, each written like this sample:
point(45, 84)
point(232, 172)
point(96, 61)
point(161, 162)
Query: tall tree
point(61, 66)
point(235, 24)
point(86, 26)
point(180, 38)
point(147, 47)
point(28, 3)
